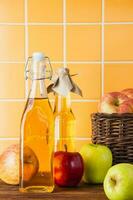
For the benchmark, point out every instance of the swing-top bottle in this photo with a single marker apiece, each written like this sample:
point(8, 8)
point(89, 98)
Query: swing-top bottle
point(37, 132)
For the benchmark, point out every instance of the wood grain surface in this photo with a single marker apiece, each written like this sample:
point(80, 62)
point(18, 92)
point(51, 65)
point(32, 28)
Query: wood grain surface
point(83, 192)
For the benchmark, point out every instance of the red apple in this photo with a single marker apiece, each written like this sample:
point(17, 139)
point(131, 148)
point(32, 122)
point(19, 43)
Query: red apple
point(128, 92)
point(115, 102)
point(68, 168)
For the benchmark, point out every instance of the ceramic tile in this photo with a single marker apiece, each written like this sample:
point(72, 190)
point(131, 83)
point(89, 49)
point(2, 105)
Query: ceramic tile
point(118, 11)
point(47, 39)
point(12, 83)
point(83, 11)
point(119, 42)
point(82, 112)
point(12, 11)
point(12, 43)
point(118, 77)
point(45, 10)
point(88, 79)
point(10, 117)
point(83, 43)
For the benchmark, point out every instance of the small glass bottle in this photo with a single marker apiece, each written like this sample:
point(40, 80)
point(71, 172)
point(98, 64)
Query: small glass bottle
point(65, 123)
point(37, 133)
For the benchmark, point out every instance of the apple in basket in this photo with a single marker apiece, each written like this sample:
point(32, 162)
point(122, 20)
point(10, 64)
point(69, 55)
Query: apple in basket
point(128, 92)
point(116, 102)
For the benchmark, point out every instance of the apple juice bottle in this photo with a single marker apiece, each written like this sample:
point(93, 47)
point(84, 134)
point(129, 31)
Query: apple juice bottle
point(65, 122)
point(37, 133)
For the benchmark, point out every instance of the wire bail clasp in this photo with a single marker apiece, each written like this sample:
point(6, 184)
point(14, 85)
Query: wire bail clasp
point(28, 70)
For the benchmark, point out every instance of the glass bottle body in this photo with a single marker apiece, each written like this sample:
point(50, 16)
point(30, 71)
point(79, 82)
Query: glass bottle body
point(37, 142)
point(65, 124)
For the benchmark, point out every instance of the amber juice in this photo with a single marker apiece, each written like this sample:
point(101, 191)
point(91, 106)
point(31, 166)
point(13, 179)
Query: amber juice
point(65, 124)
point(37, 134)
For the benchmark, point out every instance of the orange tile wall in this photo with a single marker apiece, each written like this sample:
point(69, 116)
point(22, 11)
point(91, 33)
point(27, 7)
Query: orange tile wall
point(94, 38)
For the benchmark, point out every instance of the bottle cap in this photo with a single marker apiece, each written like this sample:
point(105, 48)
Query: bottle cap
point(38, 65)
point(63, 83)
point(37, 56)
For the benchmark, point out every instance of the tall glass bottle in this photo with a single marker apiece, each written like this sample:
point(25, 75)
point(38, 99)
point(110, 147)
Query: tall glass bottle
point(65, 123)
point(37, 133)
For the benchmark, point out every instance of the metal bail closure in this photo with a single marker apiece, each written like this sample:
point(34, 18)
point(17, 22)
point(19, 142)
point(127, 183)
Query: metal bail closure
point(51, 69)
point(28, 72)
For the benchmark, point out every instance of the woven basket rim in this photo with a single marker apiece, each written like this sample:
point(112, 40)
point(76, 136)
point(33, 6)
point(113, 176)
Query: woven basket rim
point(120, 115)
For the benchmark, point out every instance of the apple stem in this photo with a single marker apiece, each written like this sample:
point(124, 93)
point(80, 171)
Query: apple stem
point(65, 147)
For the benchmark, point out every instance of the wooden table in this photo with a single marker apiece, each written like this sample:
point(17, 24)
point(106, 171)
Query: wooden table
point(83, 192)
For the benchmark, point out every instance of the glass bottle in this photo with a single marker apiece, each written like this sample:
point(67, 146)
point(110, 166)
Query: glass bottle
point(37, 133)
point(65, 123)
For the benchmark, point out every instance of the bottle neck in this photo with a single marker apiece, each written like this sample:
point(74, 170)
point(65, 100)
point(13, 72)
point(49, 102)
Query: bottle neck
point(38, 89)
point(62, 104)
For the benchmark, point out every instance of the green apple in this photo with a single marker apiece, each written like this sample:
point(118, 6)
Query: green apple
point(118, 183)
point(97, 160)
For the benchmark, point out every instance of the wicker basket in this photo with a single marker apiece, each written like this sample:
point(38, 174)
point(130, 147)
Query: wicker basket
point(115, 131)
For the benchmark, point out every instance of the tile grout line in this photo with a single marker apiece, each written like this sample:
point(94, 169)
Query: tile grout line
point(102, 51)
point(64, 34)
point(85, 100)
point(74, 62)
point(81, 100)
point(119, 62)
point(64, 23)
point(13, 100)
point(26, 41)
point(9, 138)
point(17, 138)
point(12, 62)
point(52, 100)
